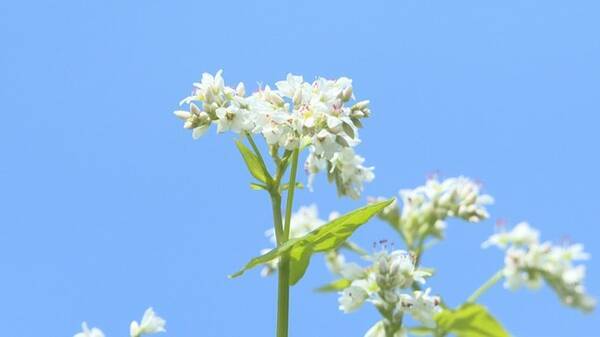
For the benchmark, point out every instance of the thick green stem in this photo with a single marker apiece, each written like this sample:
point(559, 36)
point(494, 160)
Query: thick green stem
point(283, 298)
point(485, 287)
point(277, 219)
point(283, 291)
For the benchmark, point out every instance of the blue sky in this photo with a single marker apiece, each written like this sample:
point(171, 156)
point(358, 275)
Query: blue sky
point(108, 206)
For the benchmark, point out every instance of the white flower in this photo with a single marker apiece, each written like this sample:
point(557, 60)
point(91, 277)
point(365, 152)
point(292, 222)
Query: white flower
point(421, 306)
point(522, 234)
point(150, 324)
point(397, 270)
point(232, 118)
point(354, 296)
point(87, 332)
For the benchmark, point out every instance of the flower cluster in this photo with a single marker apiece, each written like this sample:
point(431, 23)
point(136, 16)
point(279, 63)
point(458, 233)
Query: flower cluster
point(388, 284)
point(150, 324)
point(295, 114)
point(529, 262)
point(425, 208)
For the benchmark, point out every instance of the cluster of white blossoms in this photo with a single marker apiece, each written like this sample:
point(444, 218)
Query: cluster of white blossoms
point(528, 262)
point(425, 208)
point(388, 284)
point(150, 324)
point(294, 115)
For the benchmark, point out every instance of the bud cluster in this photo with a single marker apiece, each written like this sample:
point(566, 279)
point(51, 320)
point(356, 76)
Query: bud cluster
point(294, 115)
point(388, 284)
point(528, 263)
point(425, 208)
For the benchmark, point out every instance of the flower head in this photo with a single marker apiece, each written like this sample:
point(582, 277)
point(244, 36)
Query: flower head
point(297, 113)
point(150, 324)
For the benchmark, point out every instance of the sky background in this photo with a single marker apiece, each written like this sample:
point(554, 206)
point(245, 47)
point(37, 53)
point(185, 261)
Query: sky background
point(107, 206)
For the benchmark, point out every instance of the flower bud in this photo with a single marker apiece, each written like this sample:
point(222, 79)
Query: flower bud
point(347, 94)
point(298, 97)
point(240, 90)
point(361, 105)
point(182, 114)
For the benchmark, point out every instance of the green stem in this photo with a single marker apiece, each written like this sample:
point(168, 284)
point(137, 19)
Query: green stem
point(277, 219)
point(290, 194)
point(485, 287)
point(283, 292)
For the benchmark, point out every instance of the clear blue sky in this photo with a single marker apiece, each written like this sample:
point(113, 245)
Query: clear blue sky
point(108, 206)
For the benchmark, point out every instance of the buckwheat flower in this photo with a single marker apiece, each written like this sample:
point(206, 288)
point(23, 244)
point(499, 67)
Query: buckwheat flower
point(349, 172)
point(521, 234)
point(530, 263)
point(421, 306)
point(354, 296)
point(397, 270)
point(87, 332)
point(232, 118)
point(150, 324)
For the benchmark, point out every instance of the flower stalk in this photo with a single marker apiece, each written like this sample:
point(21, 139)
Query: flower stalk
point(485, 286)
point(283, 292)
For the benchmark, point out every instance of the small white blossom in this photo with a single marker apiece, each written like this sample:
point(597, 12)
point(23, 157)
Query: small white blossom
point(421, 306)
point(522, 234)
point(87, 332)
point(397, 269)
point(150, 324)
point(354, 296)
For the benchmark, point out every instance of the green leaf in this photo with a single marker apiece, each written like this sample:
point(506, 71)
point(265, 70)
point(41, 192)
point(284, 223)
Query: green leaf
point(252, 162)
point(327, 237)
point(285, 186)
point(299, 260)
point(470, 320)
point(334, 286)
point(258, 187)
point(421, 331)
